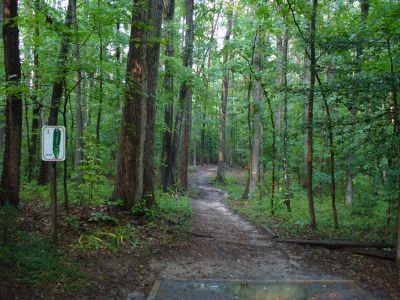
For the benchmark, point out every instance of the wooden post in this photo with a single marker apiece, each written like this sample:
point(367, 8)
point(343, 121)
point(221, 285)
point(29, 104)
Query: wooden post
point(53, 203)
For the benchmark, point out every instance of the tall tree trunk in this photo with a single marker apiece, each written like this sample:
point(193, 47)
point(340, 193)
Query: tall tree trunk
point(166, 167)
point(2, 129)
point(37, 105)
point(65, 162)
point(57, 89)
point(353, 110)
point(224, 101)
point(310, 198)
point(285, 118)
point(331, 153)
point(256, 128)
point(306, 79)
point(186, 98)
point(10, 177)
point(100, 108)
point(203, 119)
point(78, 99)
point(153, 55)
point(396, 133)
point(129, 163)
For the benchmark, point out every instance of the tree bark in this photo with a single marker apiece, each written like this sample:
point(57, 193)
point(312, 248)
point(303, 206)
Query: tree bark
point(78, 100)
point(337, 243)
point(153, 55)
point(166, 167)
point(285, 119)
point(57, 89)
point(10, 178)
point(310, 198)
point(186, 98)
point(331, 153)
point(130, 160)
point(101, 83)
point(37, 105)
point(353, 111)
point(396, 133)
point(224, 101)
point(2, 112)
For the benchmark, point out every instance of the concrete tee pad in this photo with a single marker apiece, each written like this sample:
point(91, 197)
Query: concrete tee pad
point(250, 290)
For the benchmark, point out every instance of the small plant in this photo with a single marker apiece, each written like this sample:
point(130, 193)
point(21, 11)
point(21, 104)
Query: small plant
point(142, 210)
point(109, 240)
point(8, 216)
point(102, 217)
point(36, 261)
point(72, 221)
point(114, 203)
point(95, 186)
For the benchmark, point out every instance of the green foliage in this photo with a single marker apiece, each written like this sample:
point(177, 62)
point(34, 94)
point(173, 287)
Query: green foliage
point(31, 192)
point(177, 209)
point(102, 217)
point(95, 188)
point(116, 235)
point(8, 217)
point(365, 220)
point(38, 262)
point(142, 210)
point(107, 238)
point(72, 222)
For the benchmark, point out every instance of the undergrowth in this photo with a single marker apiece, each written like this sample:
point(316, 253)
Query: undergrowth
point(358, 222)
point(34, 260)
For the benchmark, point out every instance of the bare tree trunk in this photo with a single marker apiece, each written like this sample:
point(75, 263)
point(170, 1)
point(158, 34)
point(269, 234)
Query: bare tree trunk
point(311, 209)
point(118, 74)
point(153, 55)
point(256, 134)
point(2, 128)
point(203, 120)
point(65, 162)
point(10, 177)
point(166, 167)
point(186, 98)
point(129, 163)
point(285, 120)
point(78, 100)
point(224, 101)
point(331, 153)
point(396, 133)
point(306, 78)
point(37, 105)
point(57, 90)
point(100, 108)
point(353, 111)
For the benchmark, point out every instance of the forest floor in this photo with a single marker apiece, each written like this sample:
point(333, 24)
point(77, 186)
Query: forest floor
point(226, 246)
point(222, 246)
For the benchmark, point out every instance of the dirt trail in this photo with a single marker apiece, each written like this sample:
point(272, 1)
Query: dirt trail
point(225, 246)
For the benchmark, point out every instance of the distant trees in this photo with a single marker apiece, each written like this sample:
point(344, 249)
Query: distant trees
point(308, 100)
point(58, 87)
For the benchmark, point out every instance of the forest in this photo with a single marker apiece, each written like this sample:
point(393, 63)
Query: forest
point(292, 105)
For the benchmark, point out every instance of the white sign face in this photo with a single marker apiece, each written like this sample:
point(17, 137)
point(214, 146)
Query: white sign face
point(53, 143)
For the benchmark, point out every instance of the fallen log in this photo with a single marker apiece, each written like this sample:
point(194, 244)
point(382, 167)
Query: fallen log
point(374, 253)
point(201, 235)
point(269, 231)
point(338, 243)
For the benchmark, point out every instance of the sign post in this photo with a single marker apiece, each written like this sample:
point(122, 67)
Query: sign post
point(53, 150)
